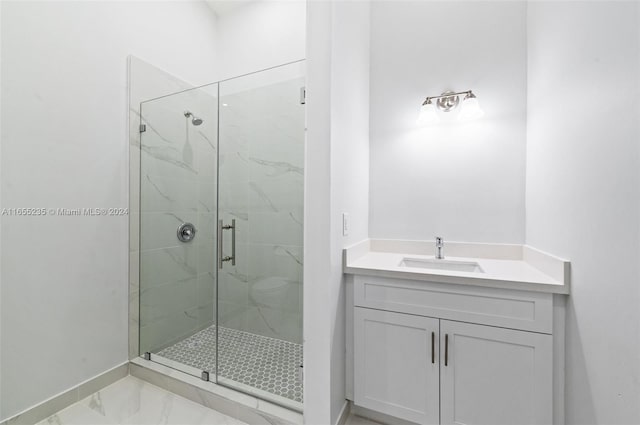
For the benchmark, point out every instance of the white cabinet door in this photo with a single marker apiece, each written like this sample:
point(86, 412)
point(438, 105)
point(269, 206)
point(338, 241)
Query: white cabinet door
point(396, 364)
point(494, 376)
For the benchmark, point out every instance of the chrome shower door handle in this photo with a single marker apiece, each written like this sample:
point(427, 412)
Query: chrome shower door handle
point(220, 244)
point(233, 242)
point(221, 227)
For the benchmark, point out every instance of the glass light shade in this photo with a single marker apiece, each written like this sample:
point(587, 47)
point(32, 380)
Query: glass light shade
point(470, 109)
point(428, 115)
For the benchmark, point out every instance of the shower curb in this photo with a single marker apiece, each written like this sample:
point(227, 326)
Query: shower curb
point(240, 406)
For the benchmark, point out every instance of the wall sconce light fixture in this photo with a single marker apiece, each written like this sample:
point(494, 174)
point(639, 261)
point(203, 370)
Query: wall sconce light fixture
point(446, 102)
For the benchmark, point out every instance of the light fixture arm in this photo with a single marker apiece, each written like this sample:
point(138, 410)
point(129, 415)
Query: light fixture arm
point(468, 93)
point(447, 102)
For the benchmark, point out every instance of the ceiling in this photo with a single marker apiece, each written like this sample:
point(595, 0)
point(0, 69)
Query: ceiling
point(222, 7)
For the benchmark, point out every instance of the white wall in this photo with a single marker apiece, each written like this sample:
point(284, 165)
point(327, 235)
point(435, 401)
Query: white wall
point(260, 35)
point(1, 206)
point(337, 177)
point(349, 166)
point(317, 217)
point(461, 181)
point(583, 170)
point(64, 144)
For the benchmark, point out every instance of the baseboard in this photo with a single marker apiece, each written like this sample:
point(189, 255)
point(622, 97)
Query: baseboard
point(344, 413)
point(378, 417)
point(65, 399)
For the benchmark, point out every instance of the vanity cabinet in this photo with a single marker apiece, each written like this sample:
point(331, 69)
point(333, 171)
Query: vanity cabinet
point(433, 353)
point(491, 375)
point(397, 369)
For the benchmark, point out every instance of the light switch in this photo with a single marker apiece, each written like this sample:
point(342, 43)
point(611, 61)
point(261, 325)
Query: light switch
point(345, 224)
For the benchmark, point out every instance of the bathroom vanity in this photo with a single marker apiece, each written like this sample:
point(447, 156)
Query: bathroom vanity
point(474, 338)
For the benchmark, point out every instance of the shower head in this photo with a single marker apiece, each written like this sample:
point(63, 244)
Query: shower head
point(194, 120)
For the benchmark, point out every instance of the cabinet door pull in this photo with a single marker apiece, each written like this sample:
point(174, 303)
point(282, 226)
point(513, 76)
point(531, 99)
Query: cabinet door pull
point(433, 347)
point(446, 349)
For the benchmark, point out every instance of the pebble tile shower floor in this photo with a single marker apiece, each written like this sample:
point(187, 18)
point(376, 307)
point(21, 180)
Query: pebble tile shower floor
point(261, 362)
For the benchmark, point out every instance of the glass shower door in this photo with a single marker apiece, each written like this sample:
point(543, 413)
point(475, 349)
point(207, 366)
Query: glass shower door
point(260, 208)
point(221, 213)
point(178, 215)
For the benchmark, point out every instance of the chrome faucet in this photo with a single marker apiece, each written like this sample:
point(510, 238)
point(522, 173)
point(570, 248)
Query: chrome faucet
point(439, 248)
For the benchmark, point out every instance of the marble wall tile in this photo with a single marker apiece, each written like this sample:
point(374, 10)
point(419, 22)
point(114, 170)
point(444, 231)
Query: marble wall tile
point(275, 228)
point(207, 197)
point(145, 82)
point(281, 193)
point(276, 293)
point(206, 259)
point(283, 261)
point(179, 168)
point(274, 323)
point(159, 230)
point(205, 136)
point(168, 300)
point(234, 167)
point(233, 289)
point(206, 288)
point(165, 150)
point(168, 193)
point(232, 315)
point(205, 314)
point(262, 181)
point(168, 331)
point(207, 162)
point(166, 265)
point(208, 228)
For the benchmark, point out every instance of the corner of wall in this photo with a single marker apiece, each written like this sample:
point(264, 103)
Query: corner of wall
point(349, 158)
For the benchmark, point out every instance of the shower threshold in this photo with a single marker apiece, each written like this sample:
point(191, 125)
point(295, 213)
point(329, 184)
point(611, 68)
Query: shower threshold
point(265, 367)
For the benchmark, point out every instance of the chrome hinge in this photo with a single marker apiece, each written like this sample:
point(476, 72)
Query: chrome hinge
point(204, 376)
point(143, 128)
point(303, 95)
point(147, 356)
point(301, 374)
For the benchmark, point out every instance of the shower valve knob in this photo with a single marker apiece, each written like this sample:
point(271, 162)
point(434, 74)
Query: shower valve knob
point(186, 232)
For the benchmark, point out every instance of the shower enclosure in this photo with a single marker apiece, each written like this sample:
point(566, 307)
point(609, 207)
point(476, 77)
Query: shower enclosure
point(221, 209)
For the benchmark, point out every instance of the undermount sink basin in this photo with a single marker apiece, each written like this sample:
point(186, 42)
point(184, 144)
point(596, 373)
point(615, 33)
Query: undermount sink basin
point(433, 264)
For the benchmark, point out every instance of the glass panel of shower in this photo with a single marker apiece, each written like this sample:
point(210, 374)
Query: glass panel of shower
point(261, 172)
point(178, 215)
point(221, 195)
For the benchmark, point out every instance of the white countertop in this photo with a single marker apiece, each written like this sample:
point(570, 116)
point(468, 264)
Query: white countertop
point(513, 267)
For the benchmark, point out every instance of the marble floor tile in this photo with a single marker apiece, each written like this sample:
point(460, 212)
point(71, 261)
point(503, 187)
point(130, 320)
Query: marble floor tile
point(132, 401)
